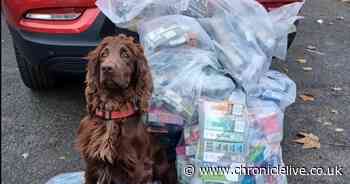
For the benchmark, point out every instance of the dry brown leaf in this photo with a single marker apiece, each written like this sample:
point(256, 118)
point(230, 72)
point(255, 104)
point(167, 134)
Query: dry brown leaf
point(315, 52)
point(311, 47)
point(307, 69)
point(327, 123)
point(340, 18)
point(339, 130)
point(337, 89)
point(301, 61)
point(307, 97)
point(334, 111)
point(285, 69)
point(320, 21)
point(309, 140)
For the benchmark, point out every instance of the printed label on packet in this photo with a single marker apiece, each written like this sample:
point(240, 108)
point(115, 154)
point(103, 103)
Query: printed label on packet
point(224, 147)
point(169, 34)
point(178, 41)
point(212, 156)
point(239, 125)
point(237, 109)
point(223, 136)
point(219, 123)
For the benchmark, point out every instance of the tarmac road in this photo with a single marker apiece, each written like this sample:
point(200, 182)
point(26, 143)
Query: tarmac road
point(42, 126)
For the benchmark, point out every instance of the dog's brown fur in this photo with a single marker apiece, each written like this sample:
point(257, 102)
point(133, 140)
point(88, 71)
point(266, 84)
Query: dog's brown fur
point(120, 151)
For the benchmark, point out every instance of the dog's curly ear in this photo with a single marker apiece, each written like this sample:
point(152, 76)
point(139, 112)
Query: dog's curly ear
point(93, 74)
point(144, 83)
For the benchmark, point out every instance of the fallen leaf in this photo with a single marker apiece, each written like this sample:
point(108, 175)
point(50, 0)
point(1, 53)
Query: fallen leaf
point(334, 111)
point(301, 61)
point(339, 130)
point(307, 69)
point(337, 89)
point(311, 47)
point(320, 21)
point(327, 123)
point(340, 18)
point(309, 140)
point(315, 52)
point(25, 155)
point(307, 97)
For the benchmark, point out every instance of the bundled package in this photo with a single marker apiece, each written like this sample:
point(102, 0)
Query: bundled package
point(210, 64)
point(181, 76)
point(223, 131)
point(127, 14)
point(265, 135)
point(242, 52)
point(218, 139)
point(173, 31)
point(276, 87)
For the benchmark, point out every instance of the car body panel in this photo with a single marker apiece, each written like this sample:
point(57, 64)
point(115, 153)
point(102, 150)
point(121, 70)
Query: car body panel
point(15, 9)
point(63, 44)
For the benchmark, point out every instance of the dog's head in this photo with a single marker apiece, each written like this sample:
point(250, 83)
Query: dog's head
point(118, 65)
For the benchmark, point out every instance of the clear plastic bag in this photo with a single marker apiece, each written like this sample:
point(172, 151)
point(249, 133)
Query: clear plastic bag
point(277, 87)
point(265, 135)
point(173, 31)
point(265, 155)
point(251, 16)
point(221, 51)
point(197, 8)
point(266, 121)
point(127, 14)
point(237, 50)
point(182, 76)
point(283, 19)
point(223, 127)
point(68, 178)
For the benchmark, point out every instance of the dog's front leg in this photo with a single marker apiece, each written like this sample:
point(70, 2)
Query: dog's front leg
point(91, 176)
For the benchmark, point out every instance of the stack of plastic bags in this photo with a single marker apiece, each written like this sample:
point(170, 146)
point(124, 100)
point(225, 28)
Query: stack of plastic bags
point(210, 63)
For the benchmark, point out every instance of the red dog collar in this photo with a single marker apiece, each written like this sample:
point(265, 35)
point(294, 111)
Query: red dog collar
point(110, 115)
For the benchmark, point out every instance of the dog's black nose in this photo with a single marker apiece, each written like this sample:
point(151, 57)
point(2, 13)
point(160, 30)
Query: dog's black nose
point(106, 68)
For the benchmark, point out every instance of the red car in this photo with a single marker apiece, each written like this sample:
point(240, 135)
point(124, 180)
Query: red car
point(52, 36)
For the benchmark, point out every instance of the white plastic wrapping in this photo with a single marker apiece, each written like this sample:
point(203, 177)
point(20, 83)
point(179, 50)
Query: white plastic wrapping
point(173, 31)
point(68, 178)
point(237, 49)
point(265, 135)
point(283, 19)
point(182, 76)
point(277, 87)
point(216, 51)
point(128, 14)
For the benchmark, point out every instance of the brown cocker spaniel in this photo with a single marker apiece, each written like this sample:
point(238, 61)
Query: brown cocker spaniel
point(113, 139)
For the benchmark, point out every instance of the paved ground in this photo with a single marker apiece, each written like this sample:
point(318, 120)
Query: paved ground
point(44, 124)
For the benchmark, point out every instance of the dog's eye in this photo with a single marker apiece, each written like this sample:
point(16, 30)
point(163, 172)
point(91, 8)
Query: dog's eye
point(124, 53)
point(104, 53)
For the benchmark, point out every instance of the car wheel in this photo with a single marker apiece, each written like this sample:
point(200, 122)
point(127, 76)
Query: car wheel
point(34, 77)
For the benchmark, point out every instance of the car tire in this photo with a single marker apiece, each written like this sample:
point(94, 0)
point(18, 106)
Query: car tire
point(34, 77)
